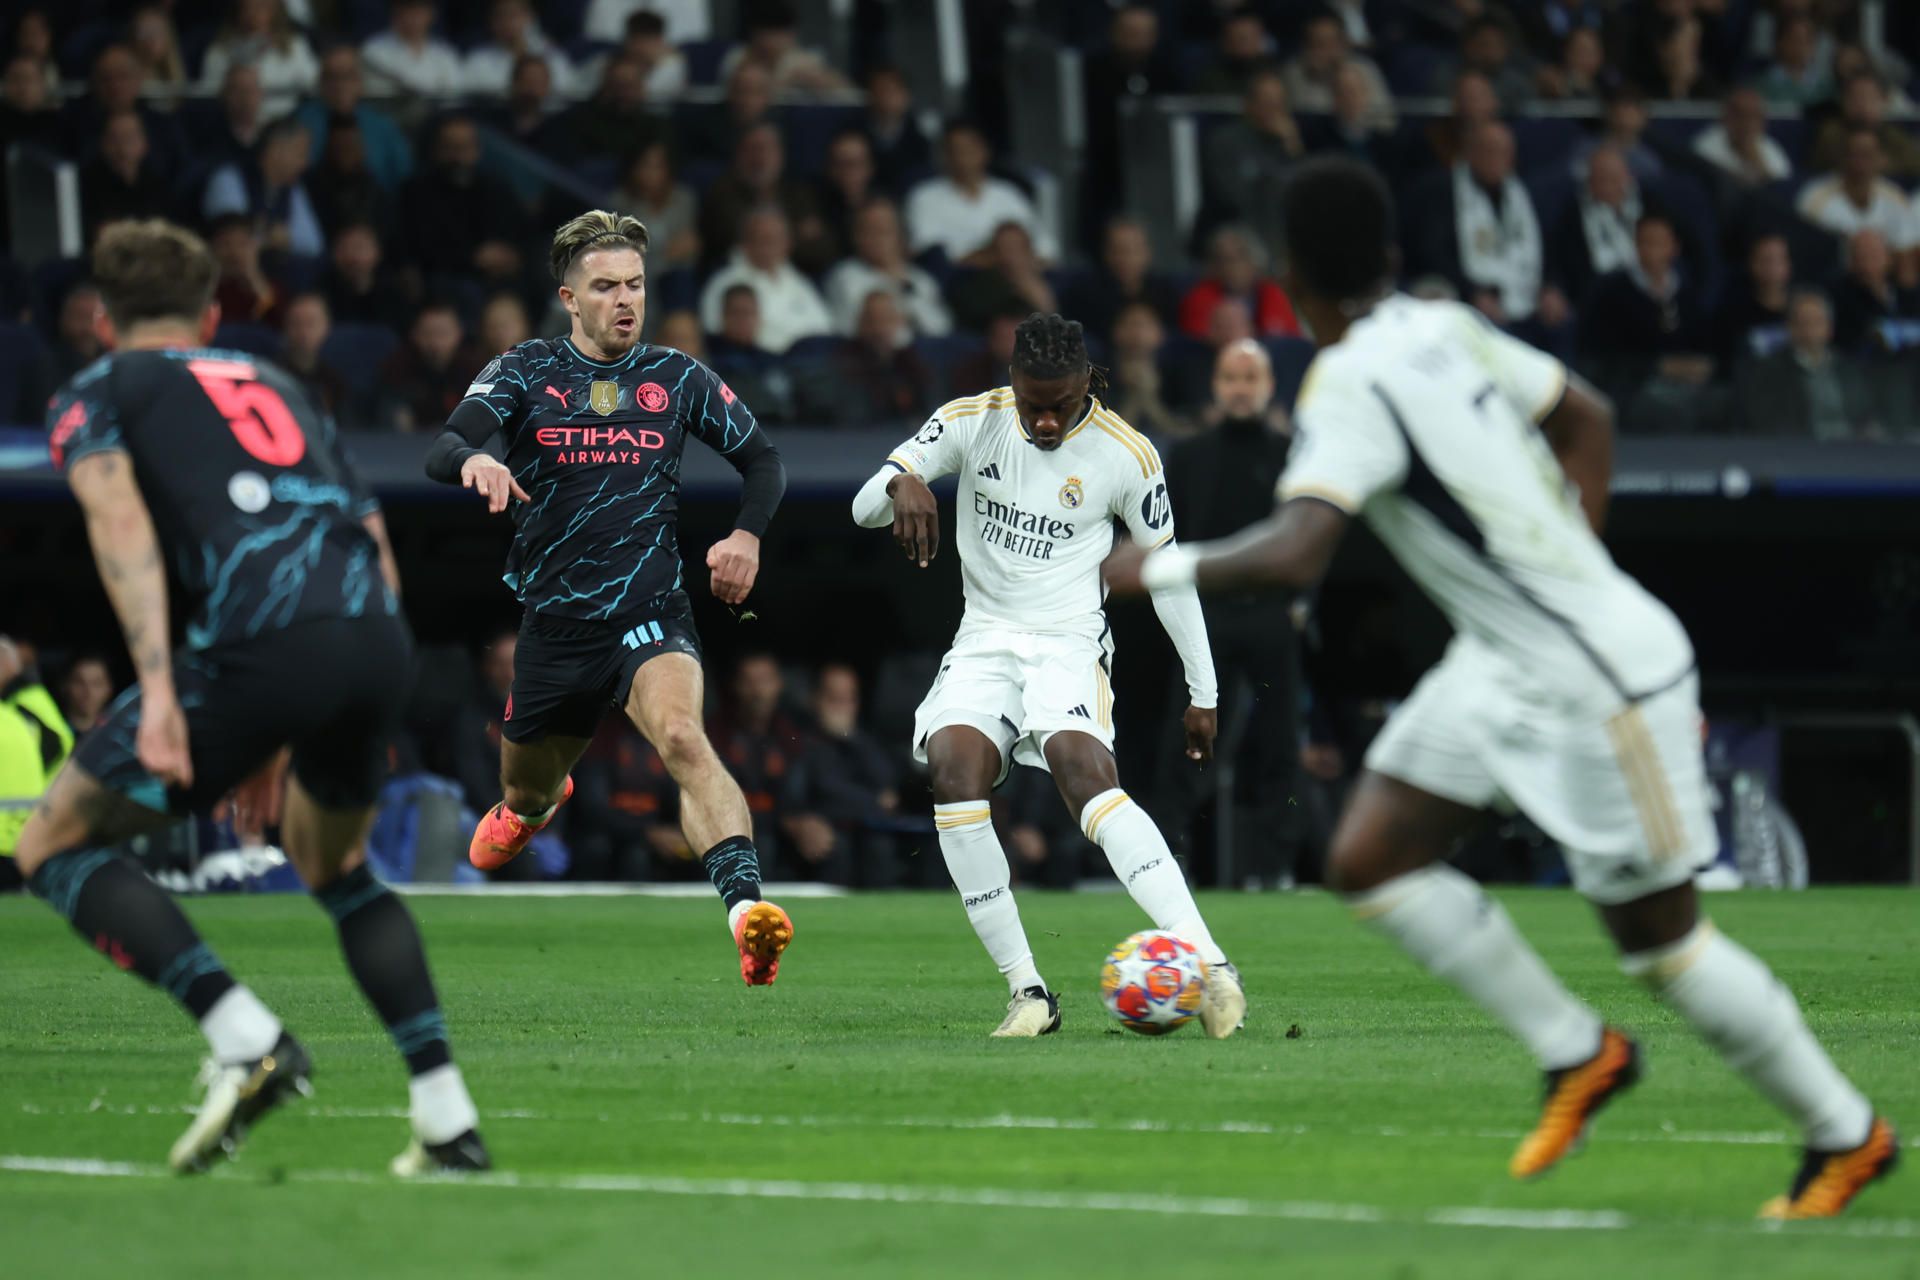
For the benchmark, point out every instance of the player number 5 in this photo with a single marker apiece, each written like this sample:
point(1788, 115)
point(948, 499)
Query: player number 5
point(255, 413)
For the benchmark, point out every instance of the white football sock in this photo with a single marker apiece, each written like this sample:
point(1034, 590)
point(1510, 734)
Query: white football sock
point(1140, 857)
point(239, 1028)
point(441, 1107)
point(1753, 1022)
point(1443, 920)
point(979, 869)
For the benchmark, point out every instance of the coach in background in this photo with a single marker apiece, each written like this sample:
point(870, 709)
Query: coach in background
point(1221, 481)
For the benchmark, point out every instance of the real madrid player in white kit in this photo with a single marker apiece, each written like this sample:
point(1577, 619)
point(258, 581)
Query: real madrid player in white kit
point(1568, 689)
point(1045, 469)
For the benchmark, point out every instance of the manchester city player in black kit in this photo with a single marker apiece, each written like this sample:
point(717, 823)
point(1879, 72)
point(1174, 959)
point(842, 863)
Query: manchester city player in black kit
point(594, 425)
point(218, 466)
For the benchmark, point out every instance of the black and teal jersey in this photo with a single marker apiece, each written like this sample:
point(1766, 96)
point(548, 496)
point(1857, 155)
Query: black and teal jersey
point(596, 445)
point(256, 506)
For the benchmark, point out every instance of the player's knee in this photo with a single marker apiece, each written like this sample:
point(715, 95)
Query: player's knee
point(682, 743)
point(957, 781)
point(1354, 865)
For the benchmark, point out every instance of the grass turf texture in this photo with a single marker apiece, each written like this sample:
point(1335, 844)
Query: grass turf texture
point(613, 1037)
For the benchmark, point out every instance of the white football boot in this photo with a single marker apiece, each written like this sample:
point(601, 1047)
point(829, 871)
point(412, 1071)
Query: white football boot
point(1223, 1009)
point(1033, 1012)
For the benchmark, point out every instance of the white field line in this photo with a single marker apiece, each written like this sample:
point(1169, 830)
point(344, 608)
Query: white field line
point(1254, 1128)
point(1480, 1217)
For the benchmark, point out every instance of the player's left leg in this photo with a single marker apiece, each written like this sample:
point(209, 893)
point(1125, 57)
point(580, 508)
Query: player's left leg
point(1083, 768)
point(665, 701)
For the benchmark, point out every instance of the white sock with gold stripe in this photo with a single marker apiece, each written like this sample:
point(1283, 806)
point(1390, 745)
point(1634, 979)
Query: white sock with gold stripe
point(1140, 857)
point(1460, 935)
point(980, 872)
point(1750, 1018)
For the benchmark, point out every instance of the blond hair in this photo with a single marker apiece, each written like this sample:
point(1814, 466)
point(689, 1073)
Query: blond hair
point(595, 229)
point(153, 270)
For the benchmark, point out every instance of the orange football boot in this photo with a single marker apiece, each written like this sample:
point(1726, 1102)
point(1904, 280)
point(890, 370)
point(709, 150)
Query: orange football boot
point(762, 933)
point(1829, 1180)
point(502, 834)
point(1574, 1095)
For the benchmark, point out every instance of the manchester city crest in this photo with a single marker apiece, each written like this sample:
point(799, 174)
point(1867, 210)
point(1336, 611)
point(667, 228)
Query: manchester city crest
point(604, 397)
point(1071, 493)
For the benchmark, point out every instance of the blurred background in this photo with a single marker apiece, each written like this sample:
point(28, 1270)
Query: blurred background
point(1706, 206)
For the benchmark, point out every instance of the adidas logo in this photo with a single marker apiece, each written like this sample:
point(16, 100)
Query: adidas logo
point(1082, 712)
point(991, 471)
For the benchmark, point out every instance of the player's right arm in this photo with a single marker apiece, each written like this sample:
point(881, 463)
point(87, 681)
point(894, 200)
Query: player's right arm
point(493, 403)
point(898, 493)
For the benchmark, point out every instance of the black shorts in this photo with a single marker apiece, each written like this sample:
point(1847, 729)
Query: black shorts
point(334, 689)
point(567, 673)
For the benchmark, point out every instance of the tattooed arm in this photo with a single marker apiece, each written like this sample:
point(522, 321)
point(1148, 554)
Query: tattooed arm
point(128, 553)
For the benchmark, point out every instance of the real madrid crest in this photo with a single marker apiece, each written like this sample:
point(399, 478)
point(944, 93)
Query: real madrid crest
point(604, 397)
point(1072, 494)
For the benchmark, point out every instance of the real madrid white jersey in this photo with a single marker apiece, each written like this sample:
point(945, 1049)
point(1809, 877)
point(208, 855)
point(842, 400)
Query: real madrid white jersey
point(1034, 525)
point(1423, 420)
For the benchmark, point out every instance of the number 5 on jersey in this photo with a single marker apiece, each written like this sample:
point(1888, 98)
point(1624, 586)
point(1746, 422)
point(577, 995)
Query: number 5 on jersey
point(255, 413)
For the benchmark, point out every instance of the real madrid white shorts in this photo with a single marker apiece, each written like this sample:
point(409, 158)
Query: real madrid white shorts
point(1621, 788)
point(1020, 688)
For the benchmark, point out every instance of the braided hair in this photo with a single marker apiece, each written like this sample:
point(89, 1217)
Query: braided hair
point(1047, 345)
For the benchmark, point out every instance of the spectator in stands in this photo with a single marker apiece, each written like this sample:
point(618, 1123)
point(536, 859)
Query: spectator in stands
point(680, 330)
point(1134, 63)
point(1643, 337)
point(342, 103)
point(1237, 268)
point(1753, 316)
point(122, 180)
point(359, 288)
point(27, 110)
point(305, 329)
point(1486, 46)
point(842, 785)
point(880, 262)
point(755, 374)
point(85, 692)
point(1867, 296)
point(650, 193)
point(685, 19)
point(1354, 128)
point(1859, 197)
point(790, 307)
point(1247, 161)
point(244, 290)
point(1244, 49)
point(716, 132)
point(156, 47)
point(113, 88)
point(503, 324)
point(1473, 104)
point(1798, 77)
point(527, 115)
point(1863, 105)
point(616, 121)
point(878, 376)
point(1682, 78)
point(900, 149)
point(476, 756)
point(1577, 74)
point(773, 45)
point(663, 68)
point(458, 221)
point(849, 185)
point(407, 58)
point(259, 32)
point(625, 822)
point(1483, 236)
point(1009, 277)
point(759, 744)
point(33, 40)
point(1135, 387)
point(987, 369)
point(1547, 26)
point(959, 211)
point(343, 189)
point(1623, 126)
point(428, 375)
point(76, 338)
point(1806, 390)
point(1738, 147)
point(1125, 274)
point(1596, 231)
point(757, 177)
point(512, 30)
point(234, 135)
point(273, 193)
point(1324, 50)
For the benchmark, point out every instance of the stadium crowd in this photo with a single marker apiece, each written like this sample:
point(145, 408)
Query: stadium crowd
point(1704, 203)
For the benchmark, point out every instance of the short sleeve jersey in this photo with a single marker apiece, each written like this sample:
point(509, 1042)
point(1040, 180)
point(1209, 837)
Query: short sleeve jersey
point(254, 501)
point(597, 447)
point(1034, 525)
point(1424, 421)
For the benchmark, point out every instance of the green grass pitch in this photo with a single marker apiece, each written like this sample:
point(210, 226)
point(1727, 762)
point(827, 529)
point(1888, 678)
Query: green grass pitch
point(652, 1116)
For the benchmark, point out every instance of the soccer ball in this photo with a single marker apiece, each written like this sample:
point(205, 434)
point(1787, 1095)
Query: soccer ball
point(1153, 982)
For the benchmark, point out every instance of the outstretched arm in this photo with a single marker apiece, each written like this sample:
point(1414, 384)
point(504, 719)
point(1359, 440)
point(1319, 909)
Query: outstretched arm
point(1580, 429)
point(1289, 550)
point(127, 551)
